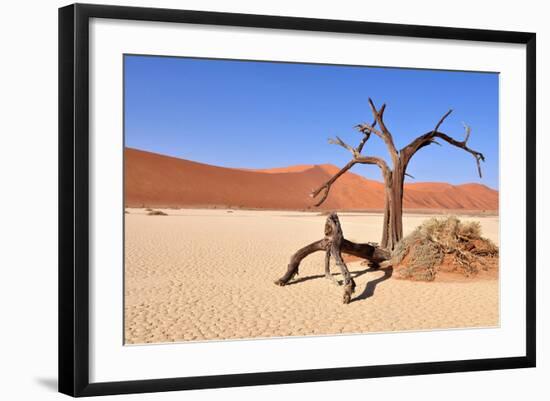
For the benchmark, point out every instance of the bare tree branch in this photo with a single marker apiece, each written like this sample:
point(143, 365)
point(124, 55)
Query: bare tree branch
point(341, 143)
point(357, 159)
point(364, 140)
point(376, 161)
point(386, 137)
point(468, 131)
point(478, 156)
point(354, 151)
point(366, 136)
point(422, 140)
point(325, 188)
point(429, 137)
point(442, 119)
point(366, 128)
point(384, 134)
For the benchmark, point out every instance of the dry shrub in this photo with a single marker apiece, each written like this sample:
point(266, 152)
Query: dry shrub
point(445, 243)
point(156, 213)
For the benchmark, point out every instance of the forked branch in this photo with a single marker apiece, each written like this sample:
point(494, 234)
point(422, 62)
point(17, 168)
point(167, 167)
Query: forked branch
point(429, 137)
point(356, 159)
point(384, 134)
point(478, 156)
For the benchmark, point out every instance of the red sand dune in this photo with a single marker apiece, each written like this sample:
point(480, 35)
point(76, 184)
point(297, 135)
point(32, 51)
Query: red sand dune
point(156, 180)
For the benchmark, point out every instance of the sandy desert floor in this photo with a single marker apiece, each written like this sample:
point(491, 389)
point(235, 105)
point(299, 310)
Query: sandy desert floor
point(200, 274)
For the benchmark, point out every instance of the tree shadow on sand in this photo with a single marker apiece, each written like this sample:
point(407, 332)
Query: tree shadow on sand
point(354, 274)
point(371, 285)
point(369, 288)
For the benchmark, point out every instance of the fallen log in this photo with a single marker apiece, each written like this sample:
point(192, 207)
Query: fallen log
point(334, 244)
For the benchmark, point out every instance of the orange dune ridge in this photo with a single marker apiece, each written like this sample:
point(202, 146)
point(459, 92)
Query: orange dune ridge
point(155, 180)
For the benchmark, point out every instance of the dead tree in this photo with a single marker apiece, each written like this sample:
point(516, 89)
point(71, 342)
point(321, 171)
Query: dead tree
point(394, 177)
point(334, 244)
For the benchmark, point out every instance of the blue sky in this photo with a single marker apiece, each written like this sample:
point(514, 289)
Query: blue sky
point(261, 114)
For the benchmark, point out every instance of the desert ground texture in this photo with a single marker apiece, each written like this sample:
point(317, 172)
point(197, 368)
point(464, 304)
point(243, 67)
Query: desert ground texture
point(207, 274)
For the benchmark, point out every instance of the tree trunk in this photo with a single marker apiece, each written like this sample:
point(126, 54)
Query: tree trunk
point(387, 213)
point(392, 231)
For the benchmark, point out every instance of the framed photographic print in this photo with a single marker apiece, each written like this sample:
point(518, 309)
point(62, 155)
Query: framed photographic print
point(250, 199)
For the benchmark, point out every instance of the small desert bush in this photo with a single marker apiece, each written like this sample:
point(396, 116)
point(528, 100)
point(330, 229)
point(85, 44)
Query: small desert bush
point(156, 213)
point(447, 242)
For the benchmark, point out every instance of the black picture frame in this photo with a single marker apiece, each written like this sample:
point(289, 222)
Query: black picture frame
point(74, 197)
